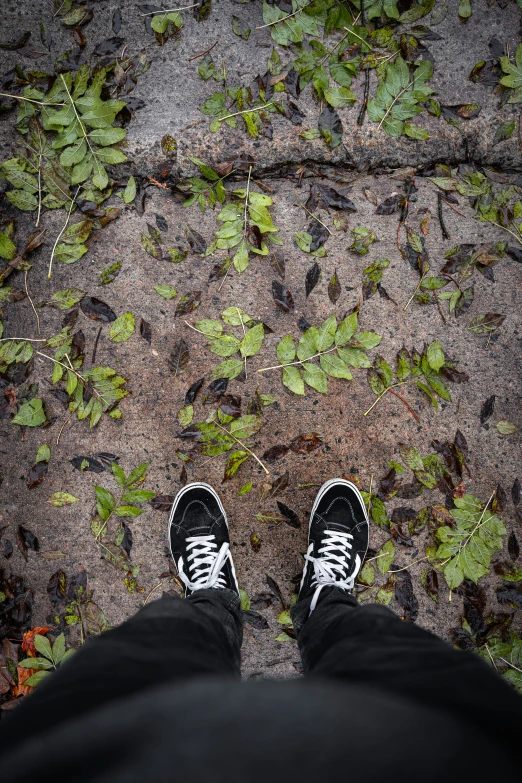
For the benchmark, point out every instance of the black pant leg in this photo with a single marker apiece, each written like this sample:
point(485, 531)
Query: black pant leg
point(168, 639)
point(371, 645)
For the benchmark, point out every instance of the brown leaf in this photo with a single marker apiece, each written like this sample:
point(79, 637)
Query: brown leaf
point(196, 241)
point(405, 597)
point(97, 310)
point(146, 330)
point(26, 540)
point(278, 265)
point(255, 541)
point(162, 502)
point(179, 357)
point(334, 288)
point(305, 443)
point(513, 546)
point(276, 487)
point(487, 409)
point(275, 452)
point(515, 492)
point(282, 297)
point(188, 303)
point(291, 518)
point(499, 502)
point(192, 391)
point(36, 474)
point(312, 278)
point(35, 240)
point(460, 490)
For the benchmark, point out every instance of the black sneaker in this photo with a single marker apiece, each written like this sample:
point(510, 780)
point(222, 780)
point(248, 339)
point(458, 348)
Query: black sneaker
point(337, 539)
point(199, 540)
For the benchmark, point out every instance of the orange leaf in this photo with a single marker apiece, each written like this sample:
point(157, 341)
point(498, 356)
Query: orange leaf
point(28, 641)
point(23, 675)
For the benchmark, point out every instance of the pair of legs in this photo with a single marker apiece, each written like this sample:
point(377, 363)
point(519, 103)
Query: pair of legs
point(172, 640)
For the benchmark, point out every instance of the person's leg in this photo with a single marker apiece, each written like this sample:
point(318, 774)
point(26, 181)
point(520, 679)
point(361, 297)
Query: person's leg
point(370, 644)
point(167, 639)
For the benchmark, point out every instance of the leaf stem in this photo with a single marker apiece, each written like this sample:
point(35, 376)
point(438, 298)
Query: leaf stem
point(73, 201)
point(29, 100)
point(416, 289)
point(231, 435)
point(506, 229)
point(170, 11)
point(284, 18)
point(401, 398)
point(311, 213)
point(392, 104)
point(388, 388)
point(246, 111)
point(352, 32)
point(301, 361)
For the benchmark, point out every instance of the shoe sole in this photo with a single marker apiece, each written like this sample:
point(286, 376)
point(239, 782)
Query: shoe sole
point(343, 483)
point(187, 488)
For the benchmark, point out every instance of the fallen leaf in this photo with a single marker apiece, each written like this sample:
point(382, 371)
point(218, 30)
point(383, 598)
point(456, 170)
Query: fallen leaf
point(146, 330)
point(179, 357)
point(487, 409)
point(291, 518)
point(506, 427)
point(312, 278)
point(305, 443)
point(97, 310)
point(282, 297)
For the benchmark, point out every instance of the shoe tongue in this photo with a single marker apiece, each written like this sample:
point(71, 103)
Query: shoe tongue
point(337, 528)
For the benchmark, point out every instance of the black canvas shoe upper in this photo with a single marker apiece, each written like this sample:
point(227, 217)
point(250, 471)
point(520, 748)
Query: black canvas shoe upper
point(337, 540)
point(199, 540)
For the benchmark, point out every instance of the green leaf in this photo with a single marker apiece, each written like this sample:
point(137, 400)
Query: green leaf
point(36, 678)
point(234, 462)
point(7, 248)
point(435, 355)
point(59, 649)
point(378, 512)
point(36, 663)
point(504, 131)
point(414, 132)
point(245, 600)
point(104, 502)
point(43, 454)
point(367, 574)
point(308, 344)
point(411, 457)
point(252, 341)
point(22, 200)
point(185, 415)
point(367, 340)
point(354, 357)
point(375, 382)
point(129, 194)
point(339, 97)
point(246, 426)
point(245, 489)
point(138, 496)
point(59, 499)
point(128, 511)
point(215, 104)
point(104, 137)
point(166, 291)
point(66, 298)
point(73, 154)
point(82, 170)
point(315, 377)
point(385, 557)
point(326, 333)
point(30, 414)
point(291, 378)
point(122, 328)
point(506, 427)
point(100, 179)
point(286, 349)
point(230, 369)
point(335, 367)
point(43, 646)
point(346, 329)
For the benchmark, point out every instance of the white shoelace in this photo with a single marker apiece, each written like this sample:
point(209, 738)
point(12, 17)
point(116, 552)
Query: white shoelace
point(330, 569)
point(204, 564)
